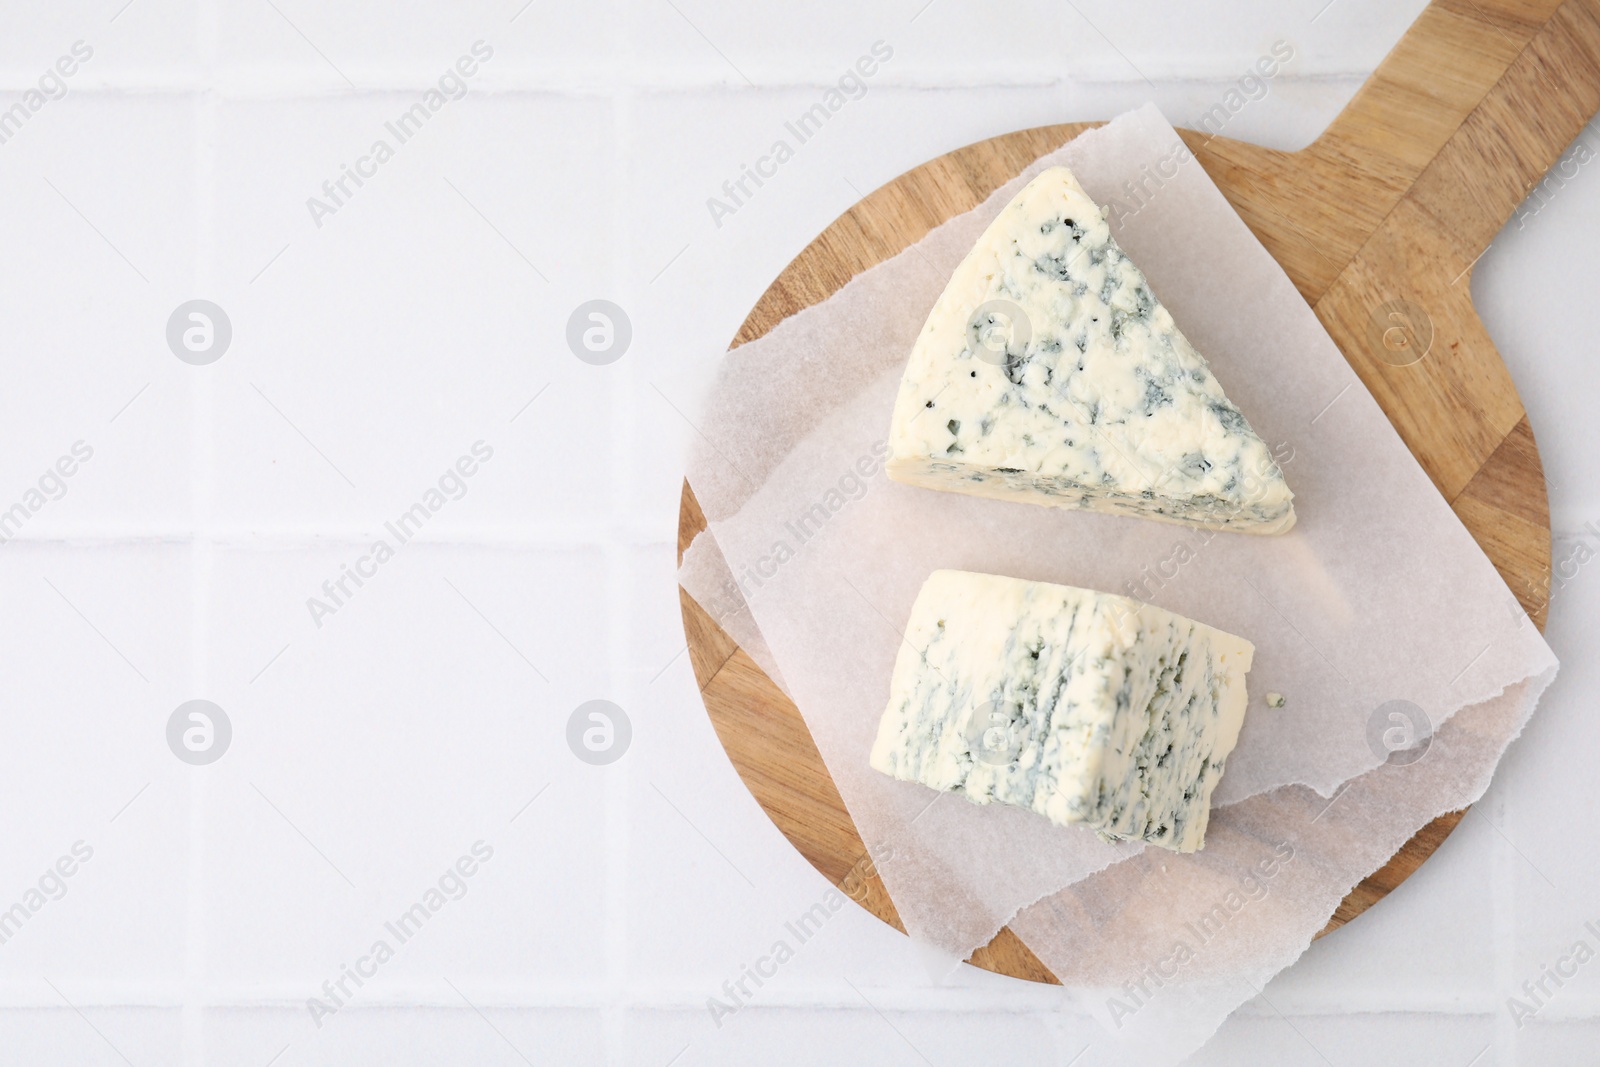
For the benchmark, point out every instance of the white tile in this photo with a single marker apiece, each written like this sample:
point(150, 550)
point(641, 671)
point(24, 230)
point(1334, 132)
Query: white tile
point(377, 350)
point(373, 44)
point(110, 909)
point(775, 1036)
point(571, 47)
point(1567, 1043)
point(852, 1033)
point(376, 751)
point(251, 47)
point(948, 42)
point(93, 1035)
point(1258, 1034)
point(98, 259)
point(338, 49)
point(141, 43)
point(707, 873)
point(98, 655)
point(658, 660)
point(450, 1031)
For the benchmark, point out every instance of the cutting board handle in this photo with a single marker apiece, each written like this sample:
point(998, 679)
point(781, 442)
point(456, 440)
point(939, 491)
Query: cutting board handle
point(1381, 220)
point(1485, 95)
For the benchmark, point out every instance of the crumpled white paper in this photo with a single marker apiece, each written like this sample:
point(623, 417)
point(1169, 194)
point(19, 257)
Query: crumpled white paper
point(1379, 604)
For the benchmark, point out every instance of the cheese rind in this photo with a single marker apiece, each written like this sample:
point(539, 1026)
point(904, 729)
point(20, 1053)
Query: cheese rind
point(1081, 706)
point(1048, 372)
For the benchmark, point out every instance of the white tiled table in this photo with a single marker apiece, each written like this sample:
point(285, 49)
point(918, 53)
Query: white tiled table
point(421, 716)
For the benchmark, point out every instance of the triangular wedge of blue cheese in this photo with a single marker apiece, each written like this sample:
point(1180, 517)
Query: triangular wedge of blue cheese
point(1048, 372)
point(1081, 706)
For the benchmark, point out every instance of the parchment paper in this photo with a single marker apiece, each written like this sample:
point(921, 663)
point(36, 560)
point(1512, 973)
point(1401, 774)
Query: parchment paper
point(1160, 953)
point(1378, 595)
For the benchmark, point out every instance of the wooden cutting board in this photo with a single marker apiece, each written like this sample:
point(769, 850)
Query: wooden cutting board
point(1379, 223)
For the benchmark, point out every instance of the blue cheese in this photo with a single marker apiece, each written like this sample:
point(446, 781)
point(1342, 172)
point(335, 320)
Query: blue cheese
point(1081, 706)
point(1048, 372)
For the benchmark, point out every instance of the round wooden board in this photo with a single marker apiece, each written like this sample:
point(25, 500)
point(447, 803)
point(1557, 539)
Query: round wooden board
point(1394, 203)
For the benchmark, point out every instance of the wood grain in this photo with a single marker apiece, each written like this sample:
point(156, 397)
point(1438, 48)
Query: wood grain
point(1394, 203)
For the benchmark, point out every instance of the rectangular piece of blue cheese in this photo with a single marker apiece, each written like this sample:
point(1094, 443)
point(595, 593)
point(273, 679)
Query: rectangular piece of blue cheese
point(1081, 706)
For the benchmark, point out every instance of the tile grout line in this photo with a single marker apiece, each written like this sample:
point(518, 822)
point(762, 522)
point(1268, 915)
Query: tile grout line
point(686, 997)
point(263, 89)
point(576, 534)
point(202, 560)
point(619, 582)
point(1503, 918)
